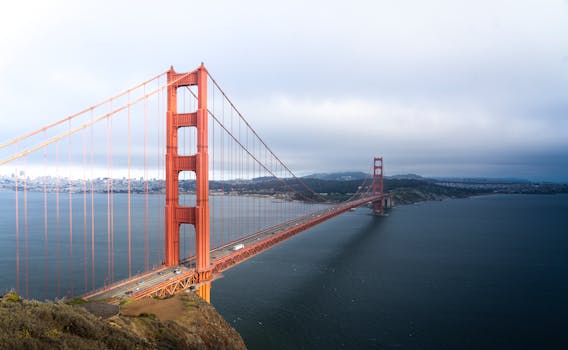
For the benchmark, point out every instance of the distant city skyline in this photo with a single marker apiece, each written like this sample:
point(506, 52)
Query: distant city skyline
point(438, 88)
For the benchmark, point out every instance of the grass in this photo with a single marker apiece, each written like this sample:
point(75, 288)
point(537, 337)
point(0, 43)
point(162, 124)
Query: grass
point(192, 304)
point(76, 301)
point(148, 315)
point(125, 301)
point(29, 324)
point(38, 325)
point(12, 296)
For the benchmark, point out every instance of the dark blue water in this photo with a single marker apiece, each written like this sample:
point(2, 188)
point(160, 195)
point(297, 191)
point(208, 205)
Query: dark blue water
point(60, 252)
point(480, 273)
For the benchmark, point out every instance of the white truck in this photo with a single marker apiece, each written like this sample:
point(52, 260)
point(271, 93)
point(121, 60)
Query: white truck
point(238, 246)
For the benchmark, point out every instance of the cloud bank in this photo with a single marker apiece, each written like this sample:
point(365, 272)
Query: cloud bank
point(438, 88)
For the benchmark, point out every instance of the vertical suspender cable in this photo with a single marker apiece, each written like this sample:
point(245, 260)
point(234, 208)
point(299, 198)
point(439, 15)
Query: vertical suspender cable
point(26, 221)
point(92, 206)
point(85, 271)
point(57, 220)
point(223, 162)
point(241, 215)
point(183, 181)
point(45, 240)
point(234, 198)
point(159, 154)
point(265, 206)
point(128, 190)
point(247, 194)
point(212, 175)
point(17, 230)
point(223, 169)
point(112, 241)
point(145, 181)
point(108, 200)
point(70, 185)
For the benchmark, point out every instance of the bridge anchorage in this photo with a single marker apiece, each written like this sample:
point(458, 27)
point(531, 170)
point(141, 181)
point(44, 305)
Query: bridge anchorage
point(245, 200)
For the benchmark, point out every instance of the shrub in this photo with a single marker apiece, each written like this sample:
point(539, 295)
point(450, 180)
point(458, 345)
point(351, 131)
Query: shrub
point(12, 296)
point(76, 301)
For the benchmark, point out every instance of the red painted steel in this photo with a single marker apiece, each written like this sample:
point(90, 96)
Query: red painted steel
point(98, 292)
point(202, 280)
point(242, 156)
point(378, 186)
point(239, 256)
point(175, 214)
point(202, 176)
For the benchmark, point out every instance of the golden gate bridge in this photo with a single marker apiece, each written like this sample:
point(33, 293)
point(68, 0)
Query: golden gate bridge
point(94, 175)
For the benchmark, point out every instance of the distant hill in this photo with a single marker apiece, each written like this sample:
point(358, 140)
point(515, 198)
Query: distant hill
point(341, 176)
point(358, 175)
point(483, 180)
point(405, 177)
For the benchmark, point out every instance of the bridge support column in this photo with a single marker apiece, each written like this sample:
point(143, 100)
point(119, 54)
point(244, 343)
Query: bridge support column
point(199, 163)
point(204, 291)
point(378, 187)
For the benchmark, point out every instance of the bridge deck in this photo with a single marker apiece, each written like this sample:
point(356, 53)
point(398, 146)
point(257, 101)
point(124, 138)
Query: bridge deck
point(169, 280)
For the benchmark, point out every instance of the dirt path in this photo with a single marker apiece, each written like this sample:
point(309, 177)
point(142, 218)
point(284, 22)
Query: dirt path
point(165, 309)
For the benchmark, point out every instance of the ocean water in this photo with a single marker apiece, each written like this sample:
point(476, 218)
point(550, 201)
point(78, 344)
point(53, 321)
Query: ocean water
point(60, 251)
point(488, 272)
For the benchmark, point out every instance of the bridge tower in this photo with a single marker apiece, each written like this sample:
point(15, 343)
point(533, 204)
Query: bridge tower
point(378, 187)
point(199, 163)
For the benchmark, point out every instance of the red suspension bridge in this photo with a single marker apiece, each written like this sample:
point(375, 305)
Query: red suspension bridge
point(155, 190)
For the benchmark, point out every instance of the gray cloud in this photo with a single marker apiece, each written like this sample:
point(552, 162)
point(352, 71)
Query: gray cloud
point(437, 87)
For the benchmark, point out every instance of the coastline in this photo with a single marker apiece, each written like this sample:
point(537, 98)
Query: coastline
point(414, 191)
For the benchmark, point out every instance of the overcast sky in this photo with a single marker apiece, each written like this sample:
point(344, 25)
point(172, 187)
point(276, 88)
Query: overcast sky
point(439, 88)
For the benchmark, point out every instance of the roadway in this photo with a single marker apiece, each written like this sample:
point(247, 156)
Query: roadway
point(163, 275)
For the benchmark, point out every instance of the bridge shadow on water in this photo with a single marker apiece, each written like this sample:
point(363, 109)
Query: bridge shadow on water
point(318, 304)
point(333, 286)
